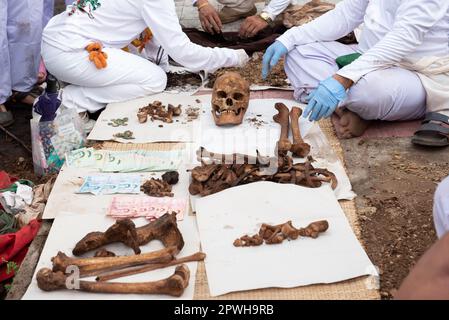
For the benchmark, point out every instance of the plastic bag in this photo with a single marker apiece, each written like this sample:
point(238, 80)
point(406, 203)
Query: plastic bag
point(51, 140)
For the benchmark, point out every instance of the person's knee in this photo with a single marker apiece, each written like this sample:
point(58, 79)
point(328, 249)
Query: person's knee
point(296, 59)
point(156, 82)
point(391, 94)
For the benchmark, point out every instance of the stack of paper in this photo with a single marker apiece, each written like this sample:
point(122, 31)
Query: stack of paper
point(124, 161)
point(150, 208)
point(111, 183)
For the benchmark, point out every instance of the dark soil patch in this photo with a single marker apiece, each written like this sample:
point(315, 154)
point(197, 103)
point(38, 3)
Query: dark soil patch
point(15, 159)
point(253, 73)
point(183, 81)
point(395, 183)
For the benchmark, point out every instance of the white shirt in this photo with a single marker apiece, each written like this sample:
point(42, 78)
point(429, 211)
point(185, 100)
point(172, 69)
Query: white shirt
point(393, 30)
point(117, 22)
point(274, 8)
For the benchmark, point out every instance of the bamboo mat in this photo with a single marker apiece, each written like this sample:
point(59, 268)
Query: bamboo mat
point(355, 289)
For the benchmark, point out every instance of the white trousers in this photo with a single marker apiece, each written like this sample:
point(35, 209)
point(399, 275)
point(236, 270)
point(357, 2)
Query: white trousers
point(126, 77)
point(238, 5)
point(20, 45)
point(389, 94)
point(441, 208)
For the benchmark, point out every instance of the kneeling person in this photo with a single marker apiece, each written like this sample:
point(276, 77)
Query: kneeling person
point(96, 31)
point(400, 65)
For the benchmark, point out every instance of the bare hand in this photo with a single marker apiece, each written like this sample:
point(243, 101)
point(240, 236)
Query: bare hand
point(251, 26)
point(210, 20)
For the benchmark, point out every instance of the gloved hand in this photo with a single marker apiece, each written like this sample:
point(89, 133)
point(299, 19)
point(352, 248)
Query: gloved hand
point(243, 58)
point(272, 56)
point(324, 100)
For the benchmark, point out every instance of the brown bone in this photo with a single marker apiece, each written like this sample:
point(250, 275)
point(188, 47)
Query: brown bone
point(174, 285)
point(299, 148)
point(164, 229)
point(278, 233)
point(199, 256)
point(96, 265)
point(282, 118)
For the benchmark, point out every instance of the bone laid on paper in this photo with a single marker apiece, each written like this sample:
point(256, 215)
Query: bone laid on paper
point(64, 239)
point(335, 255)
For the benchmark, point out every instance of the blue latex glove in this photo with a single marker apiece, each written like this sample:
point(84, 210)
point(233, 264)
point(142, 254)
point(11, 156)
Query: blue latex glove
point(272, 56)
point(324, 100)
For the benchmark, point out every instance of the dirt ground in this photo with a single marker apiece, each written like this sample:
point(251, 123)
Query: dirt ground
point(395, 183)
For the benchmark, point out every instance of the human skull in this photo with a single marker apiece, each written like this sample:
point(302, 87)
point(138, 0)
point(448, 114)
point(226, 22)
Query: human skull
point(230, 99)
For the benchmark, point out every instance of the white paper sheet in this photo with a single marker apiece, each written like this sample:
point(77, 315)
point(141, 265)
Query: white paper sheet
point(69, 228)
point(246, 138)
point(64, 193)
point(182, 131)
point(335, 256)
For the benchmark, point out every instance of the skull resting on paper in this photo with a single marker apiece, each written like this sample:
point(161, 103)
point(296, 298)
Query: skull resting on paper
point(230, 99)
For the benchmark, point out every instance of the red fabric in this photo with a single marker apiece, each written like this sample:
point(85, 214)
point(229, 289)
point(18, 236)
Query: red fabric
point(14, 246)
point(6, 180)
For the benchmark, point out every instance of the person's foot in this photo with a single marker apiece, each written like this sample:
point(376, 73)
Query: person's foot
point(6, 117)
point(87, 123)
point(228, 15)
point(348, 124)
point(27, 98)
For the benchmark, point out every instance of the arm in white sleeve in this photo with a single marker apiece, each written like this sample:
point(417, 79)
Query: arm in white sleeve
point(414, 18)
point(331, 26)
point(161, 18)
point(275, 7)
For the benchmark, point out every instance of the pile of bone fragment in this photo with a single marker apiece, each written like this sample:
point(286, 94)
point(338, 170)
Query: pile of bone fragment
point(269, 234)
point(161, 187)
point(218, 172)
point(158, 111)
point(106, 265)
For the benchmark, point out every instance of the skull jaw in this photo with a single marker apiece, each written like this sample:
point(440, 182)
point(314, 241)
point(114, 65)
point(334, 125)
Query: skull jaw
point(228, 118)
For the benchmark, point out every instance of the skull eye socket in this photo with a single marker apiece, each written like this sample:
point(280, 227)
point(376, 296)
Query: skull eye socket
point(238, 96)
point(222, 94)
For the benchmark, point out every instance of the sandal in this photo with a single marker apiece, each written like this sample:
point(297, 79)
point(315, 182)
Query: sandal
point(6, 117)
point(18, 97)
point(434, 131)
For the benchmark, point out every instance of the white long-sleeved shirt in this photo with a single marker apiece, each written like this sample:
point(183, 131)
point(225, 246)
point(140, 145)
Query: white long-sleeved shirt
point(274, 7)
point(117, 22)
point(393, 30)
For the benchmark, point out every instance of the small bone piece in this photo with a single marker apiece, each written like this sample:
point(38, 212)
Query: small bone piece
point(284, 145)
point(171, 177)
point(299, 148)
point(247, 241)
point(164, 229)
point(102, 253)
point(314, 229)
point(199, 256)
point(278, 233)
point(48, 280)
point(94, 266)
point(157, 188)
point(142, 116)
